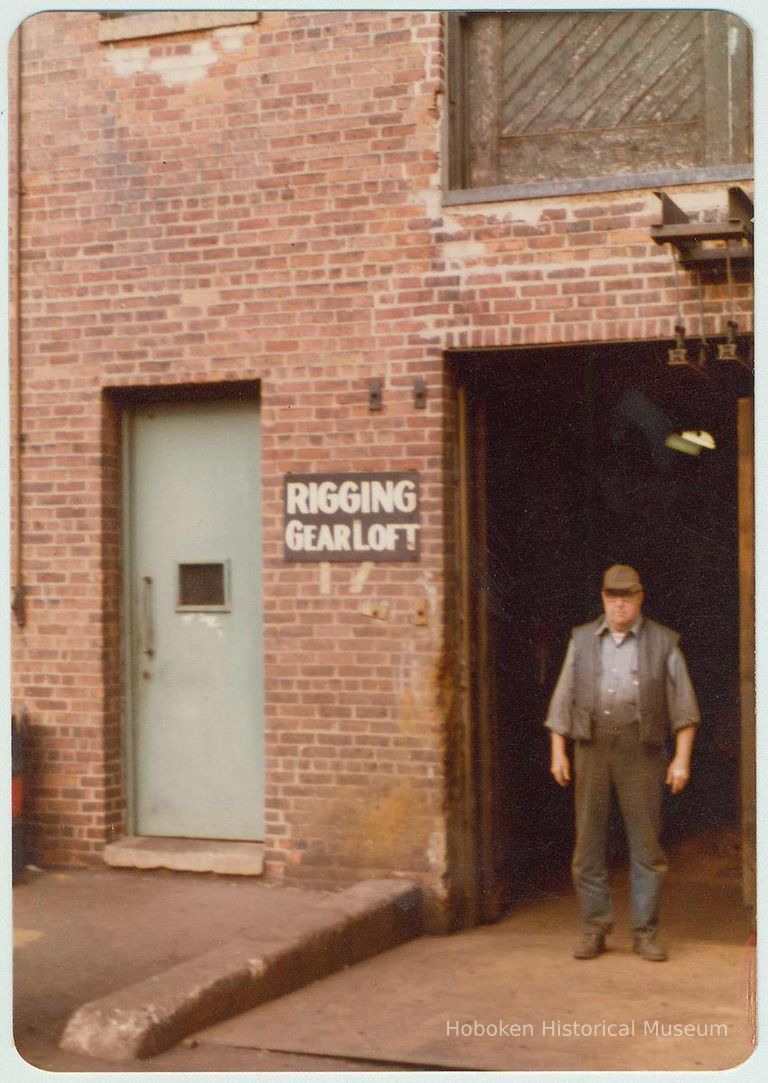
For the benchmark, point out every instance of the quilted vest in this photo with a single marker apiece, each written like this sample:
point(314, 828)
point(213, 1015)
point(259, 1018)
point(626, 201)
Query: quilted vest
point(655, 644)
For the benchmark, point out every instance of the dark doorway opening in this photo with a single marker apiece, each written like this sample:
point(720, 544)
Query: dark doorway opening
point(570, 468)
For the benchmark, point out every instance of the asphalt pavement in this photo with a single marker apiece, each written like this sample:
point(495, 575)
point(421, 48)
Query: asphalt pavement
point(501, 997)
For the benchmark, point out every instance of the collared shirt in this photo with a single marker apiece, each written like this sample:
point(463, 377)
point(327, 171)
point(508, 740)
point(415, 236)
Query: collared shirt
point(619, 684)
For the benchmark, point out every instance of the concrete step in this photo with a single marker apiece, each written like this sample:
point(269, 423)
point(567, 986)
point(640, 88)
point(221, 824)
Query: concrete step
point(186, 855)
point(336, 931)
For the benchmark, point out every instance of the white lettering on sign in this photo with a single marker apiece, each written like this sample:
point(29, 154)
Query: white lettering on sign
point(348, 517)
point(334, 537)
point(368, 497)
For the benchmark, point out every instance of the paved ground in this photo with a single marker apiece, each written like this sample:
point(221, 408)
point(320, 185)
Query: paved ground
point(81, 934)
point(425, 1003)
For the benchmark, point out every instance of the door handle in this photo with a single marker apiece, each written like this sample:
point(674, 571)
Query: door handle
point(147, 625)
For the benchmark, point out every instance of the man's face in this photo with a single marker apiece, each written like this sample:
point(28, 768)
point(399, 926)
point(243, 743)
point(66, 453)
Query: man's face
point(622, 608)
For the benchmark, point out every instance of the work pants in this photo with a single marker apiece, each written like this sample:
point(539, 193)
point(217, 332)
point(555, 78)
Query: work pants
point(617, 758)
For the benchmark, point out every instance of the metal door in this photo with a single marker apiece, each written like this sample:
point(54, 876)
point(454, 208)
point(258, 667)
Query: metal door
point(194, 617)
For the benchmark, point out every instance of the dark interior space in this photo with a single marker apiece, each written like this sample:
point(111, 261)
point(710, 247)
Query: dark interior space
point(579, 475)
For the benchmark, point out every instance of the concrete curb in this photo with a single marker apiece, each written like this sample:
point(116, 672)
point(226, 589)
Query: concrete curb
point(146, 1018)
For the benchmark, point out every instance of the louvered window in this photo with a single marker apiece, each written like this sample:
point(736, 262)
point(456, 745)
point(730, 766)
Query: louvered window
point(560, 97)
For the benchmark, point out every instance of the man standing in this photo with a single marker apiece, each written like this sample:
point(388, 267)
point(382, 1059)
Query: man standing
point(623, 686)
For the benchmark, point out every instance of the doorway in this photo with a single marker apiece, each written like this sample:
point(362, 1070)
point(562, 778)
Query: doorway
point(193, 603)
point(568, 467)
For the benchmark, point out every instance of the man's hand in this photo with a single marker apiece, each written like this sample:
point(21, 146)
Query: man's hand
point(561, 769)
point(560, 764)
point(678, 774)
point(679, 770)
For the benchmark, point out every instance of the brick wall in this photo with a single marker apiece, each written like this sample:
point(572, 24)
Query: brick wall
point(579, 269)
point(263, 203)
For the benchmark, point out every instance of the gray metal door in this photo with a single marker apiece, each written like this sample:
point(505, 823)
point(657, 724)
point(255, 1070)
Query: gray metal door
point(194, 607)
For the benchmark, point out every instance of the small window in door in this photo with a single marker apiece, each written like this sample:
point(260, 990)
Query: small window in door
point(203, 586)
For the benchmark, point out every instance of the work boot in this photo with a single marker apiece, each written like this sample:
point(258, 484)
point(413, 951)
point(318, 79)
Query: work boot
point(647, 946)
point(590, 946)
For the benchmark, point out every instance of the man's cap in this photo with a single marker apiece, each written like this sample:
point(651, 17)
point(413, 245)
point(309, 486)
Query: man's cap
point(621, 577)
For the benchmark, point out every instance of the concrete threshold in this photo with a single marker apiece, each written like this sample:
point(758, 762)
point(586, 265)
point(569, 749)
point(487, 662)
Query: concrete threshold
point(186, 855)
point(149, 1017)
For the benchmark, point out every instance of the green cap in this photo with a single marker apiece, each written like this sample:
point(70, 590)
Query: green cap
point(622, 577)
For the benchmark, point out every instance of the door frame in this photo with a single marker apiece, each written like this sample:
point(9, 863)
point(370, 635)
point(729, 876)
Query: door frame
point(127, 647)
point(479, 690)
point(470, 723)
point(747, 673)
point(468, 745)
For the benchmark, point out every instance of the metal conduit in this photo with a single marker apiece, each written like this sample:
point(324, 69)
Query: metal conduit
point(18, 589)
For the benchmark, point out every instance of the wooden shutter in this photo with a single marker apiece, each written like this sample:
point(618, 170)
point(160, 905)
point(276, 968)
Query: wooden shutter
point(588, 94)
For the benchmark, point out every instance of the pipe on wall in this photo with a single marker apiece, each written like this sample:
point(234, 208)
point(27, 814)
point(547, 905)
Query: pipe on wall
point(18, 588)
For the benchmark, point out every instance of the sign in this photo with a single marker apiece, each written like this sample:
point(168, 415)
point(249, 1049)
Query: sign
point(352, 517)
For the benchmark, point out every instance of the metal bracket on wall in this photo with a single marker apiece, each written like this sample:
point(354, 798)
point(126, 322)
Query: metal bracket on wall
point(707, 246)
point(18, 605)
point(420, 393)
point(375, 393)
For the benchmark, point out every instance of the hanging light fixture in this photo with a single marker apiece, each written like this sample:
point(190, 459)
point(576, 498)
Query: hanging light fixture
point(691, 441)
point(729, 350)
point(677, 354)
point(703, 344)
point(676, 442)
point(702, 246)
point(700, 437)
